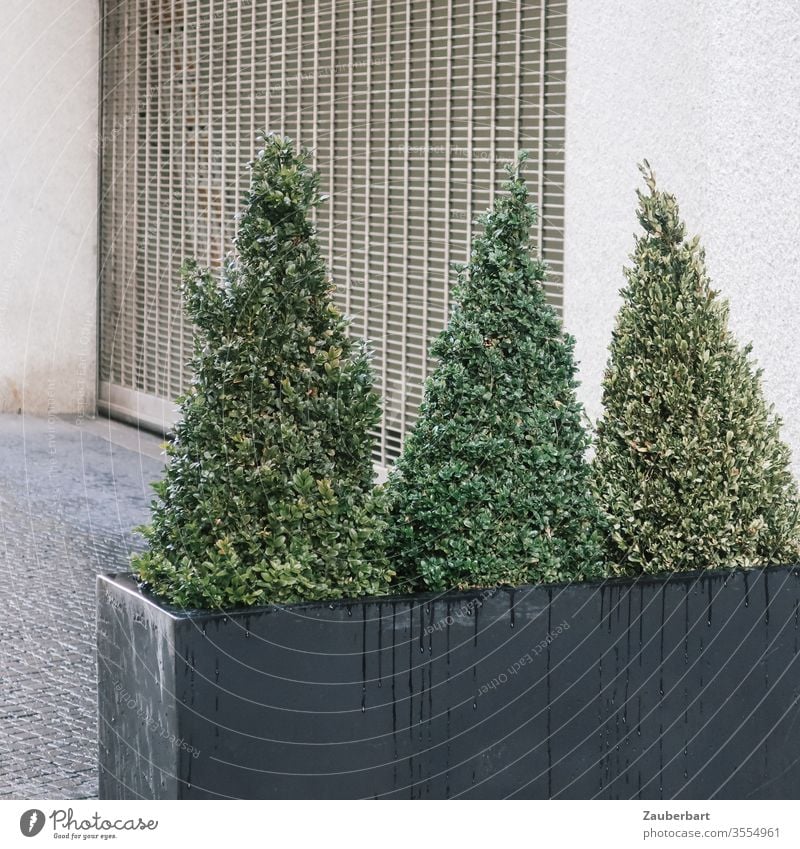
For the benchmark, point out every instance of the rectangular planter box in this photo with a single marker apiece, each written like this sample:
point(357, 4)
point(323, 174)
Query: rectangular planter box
point(681, 687)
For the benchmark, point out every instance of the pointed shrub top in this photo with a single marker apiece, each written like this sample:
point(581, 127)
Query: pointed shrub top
point(690, 469)
point(268, 495)
point(492, 487)
point(658, 212)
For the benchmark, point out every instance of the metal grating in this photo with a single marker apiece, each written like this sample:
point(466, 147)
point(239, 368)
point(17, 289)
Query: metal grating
point(411, 108)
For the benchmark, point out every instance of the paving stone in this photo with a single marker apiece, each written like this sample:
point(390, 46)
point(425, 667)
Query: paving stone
point(70, 495)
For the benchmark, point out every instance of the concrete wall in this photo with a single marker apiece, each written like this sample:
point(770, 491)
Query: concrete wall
point(708, 92)
point(48, 201)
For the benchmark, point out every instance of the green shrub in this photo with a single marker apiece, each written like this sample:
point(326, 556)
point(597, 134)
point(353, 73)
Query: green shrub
point(268, 494)
point(492, 486)
point(690, 469)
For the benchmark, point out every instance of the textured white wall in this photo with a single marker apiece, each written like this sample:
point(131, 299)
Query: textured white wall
point(709, 92)
point(48, 201)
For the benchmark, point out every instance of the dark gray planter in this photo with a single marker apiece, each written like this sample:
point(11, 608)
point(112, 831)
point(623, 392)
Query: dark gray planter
point(683, 687)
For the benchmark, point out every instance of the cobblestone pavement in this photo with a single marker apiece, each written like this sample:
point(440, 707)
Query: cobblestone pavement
point(70, 494)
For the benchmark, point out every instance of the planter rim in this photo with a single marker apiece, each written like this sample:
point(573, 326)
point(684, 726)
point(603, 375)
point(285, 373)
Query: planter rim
point(129, 582)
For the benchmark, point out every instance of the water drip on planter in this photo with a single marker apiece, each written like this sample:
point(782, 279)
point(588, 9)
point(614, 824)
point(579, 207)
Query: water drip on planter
point(661, 634)
point(380, 645)
point(710, 602)
point(602, 603)
point(410, 672)
point(641, 622)
point(686, 629)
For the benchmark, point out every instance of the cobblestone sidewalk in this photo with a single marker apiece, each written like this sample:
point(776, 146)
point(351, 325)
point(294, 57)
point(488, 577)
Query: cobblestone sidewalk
point(70, 493)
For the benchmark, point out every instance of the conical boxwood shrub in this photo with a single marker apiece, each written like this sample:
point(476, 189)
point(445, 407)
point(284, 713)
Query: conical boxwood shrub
point(268, 494)
point(690, 469)
point(492, 486)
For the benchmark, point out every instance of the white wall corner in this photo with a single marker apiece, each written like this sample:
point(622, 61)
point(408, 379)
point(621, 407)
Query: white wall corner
point(48, 212)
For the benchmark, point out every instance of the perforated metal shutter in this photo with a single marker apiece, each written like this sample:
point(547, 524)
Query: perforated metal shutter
point(411, 107)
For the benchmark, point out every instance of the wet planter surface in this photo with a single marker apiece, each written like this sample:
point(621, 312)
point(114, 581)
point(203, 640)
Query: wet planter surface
point(682, 687)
